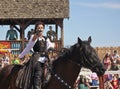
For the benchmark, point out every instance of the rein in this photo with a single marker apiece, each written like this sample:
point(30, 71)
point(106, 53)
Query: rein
point(91, 65)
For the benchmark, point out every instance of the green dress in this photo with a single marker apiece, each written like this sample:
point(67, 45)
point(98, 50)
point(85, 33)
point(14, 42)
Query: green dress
point(12, 34)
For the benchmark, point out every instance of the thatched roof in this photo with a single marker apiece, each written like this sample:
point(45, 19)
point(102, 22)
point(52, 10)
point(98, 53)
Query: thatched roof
point(26, 9)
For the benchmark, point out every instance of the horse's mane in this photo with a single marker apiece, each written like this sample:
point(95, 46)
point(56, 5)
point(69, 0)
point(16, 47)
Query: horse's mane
point(65, 55)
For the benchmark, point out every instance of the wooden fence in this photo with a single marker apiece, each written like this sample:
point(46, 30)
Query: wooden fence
point(101, 51)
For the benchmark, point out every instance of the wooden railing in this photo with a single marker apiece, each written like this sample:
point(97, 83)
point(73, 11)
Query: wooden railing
point(15, 45)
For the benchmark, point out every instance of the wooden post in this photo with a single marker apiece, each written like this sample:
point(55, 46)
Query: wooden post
point(101, 82)
point(56, 28)
point(22, 37)
point(62, 37)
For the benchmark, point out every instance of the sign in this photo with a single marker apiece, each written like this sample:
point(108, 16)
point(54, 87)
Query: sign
point(4, 46)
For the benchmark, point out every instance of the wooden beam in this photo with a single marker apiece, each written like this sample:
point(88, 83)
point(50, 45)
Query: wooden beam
point(59, 22)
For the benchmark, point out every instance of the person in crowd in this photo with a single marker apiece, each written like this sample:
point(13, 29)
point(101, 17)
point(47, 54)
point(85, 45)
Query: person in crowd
point(114, 66)
point(115, 61)
point(87, 84)
point(15, 60)
point(115, 82)
point(11, 34)
point(28, 35)
point(94, 78)
point(107, 61)
point(81, 81)
point(108, 85)
point(40, 45)
point(31, 32)
point(5, 60)
point(51, 34)
point(115, 55)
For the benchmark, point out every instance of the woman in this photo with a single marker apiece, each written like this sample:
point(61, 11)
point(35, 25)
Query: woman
point(40, 45)
point(107, 61)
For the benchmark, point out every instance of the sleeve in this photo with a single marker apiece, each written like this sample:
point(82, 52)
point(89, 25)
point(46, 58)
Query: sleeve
point(49, 44)
point(30, 45)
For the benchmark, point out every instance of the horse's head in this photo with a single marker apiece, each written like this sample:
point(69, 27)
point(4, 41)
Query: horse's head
point(87, 56)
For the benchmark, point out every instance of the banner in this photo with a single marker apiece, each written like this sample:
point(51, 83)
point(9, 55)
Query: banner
point(4, 46)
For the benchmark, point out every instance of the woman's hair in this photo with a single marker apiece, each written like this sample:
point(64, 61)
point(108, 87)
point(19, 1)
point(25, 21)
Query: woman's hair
point(39, 23)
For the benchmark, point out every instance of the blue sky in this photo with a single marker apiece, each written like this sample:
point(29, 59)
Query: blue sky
point(99, 19)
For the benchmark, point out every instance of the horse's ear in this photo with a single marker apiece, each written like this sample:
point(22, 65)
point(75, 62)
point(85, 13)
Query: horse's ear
point(89, 39)
point(79, 41)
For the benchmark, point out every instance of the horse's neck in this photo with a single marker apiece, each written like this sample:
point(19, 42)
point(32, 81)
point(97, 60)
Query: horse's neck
point(68, 72)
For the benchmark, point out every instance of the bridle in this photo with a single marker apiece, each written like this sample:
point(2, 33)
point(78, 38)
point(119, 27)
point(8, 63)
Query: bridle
point(85, 60)
point(91, 65)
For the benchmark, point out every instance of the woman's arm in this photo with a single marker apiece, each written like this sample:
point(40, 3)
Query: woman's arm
point(30, 45)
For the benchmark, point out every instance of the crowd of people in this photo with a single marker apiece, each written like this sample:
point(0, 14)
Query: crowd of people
point(112, 81)
point(9, 58)
point(112, 61)
point(87, 81)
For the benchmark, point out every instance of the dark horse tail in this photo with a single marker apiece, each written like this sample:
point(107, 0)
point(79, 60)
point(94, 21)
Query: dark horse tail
point(25, 75)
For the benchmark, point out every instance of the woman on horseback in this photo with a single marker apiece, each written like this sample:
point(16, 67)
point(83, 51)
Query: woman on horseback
point(40, 45)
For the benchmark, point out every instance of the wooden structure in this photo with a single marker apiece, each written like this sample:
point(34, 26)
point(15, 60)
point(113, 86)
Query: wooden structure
point(27, 12)
point(101, 51)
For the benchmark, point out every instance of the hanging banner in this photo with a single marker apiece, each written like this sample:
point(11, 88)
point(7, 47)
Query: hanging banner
point(4, 46)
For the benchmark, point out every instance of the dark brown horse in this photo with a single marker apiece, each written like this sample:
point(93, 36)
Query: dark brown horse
point(65, 69)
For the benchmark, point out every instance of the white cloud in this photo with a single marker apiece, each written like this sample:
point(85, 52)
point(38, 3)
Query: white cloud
point(96, 5)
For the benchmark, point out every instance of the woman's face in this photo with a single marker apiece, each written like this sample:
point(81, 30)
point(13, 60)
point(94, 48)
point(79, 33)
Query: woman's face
point(40, 29)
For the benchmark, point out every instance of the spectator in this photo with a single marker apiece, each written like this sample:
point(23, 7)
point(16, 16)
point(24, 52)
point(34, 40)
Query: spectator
point(30, 33)
point(11, 34)
point(94, 78)
point(51, 34)
point(108, 85)
point(87, 84)
point(114, 66)
point(115, 82)
point(5, 60)
point(115, 61)
point(81, 81)
point(15, 60)
point(115, 55)
point(107, 61)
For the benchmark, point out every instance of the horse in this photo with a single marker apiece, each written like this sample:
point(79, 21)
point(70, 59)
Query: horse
point(65, 69)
